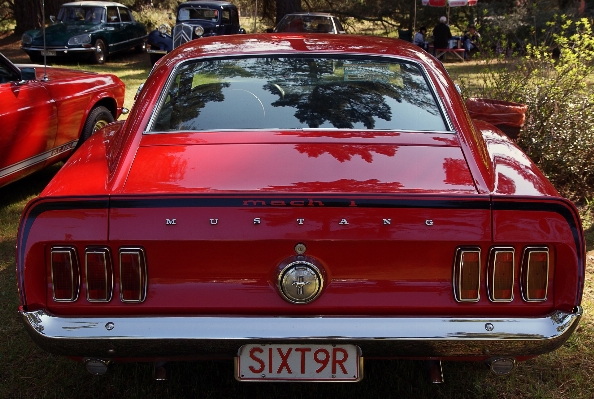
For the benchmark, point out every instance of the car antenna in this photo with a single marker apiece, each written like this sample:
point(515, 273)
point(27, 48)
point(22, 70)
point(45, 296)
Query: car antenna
point(45, 78)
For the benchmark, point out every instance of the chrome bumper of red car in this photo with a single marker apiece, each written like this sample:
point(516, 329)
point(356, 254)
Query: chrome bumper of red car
point(194, 336)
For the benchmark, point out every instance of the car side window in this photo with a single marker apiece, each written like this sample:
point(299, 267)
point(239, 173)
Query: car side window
point(112, 14)
point(234, 17)
point(339, 27)
point(7, 75)
point(225, 17)
point(125, 14)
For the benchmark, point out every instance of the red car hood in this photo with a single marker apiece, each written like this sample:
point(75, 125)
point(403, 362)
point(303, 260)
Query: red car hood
point(300, 162)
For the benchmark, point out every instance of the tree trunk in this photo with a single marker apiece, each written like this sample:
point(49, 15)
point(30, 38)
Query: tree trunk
point(28, 13)
point(284, 7)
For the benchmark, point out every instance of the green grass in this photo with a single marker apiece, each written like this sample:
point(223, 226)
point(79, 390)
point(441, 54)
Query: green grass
point(27, 372)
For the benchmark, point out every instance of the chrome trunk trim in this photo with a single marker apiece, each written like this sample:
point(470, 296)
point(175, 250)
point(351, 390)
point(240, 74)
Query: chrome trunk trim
point(197, 336)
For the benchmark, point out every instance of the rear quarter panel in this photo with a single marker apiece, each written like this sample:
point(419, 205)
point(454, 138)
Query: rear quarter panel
point(77, 94)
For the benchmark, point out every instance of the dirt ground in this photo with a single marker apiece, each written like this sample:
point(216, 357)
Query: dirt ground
point(10, 46)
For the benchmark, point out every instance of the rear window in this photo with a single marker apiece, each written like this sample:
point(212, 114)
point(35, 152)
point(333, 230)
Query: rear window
point(297, 93)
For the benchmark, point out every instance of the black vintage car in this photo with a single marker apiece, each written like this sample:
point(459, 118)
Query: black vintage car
point(195, 19)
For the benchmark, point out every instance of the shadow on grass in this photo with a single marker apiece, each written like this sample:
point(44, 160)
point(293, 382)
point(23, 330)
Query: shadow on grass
point(27, 187)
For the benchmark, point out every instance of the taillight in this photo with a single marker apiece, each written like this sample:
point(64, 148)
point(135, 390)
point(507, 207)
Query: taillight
point(467, 269)
point(133, 278)
point(65, 274)
point(99, 274)
point(535, 274)
point(500, 278)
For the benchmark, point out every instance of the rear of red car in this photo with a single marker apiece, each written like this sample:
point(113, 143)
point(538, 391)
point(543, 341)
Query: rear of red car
point(300, 250)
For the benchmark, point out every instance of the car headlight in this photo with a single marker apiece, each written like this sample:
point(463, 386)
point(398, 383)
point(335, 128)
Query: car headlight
point(27, 39)
point(198, 30)
point(80, 39)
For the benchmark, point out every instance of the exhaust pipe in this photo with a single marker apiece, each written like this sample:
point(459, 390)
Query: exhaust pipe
point(159, 371)
point(96, 366)
point(434, 371)
point(502, 365)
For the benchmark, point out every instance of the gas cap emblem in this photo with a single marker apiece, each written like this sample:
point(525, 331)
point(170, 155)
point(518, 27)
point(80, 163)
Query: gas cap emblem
point(300, 282)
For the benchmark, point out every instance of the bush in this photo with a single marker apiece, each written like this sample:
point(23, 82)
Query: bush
point(554, 80)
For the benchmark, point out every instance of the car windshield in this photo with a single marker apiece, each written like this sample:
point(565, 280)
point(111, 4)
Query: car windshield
point(204, 13)
point(305, 23)
point(298, 93)
point(92, 15)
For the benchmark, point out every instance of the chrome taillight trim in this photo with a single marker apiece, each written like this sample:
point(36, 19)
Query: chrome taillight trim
point(108, 272)
point(456, 278)
point(491, 270)
point(526, 271)
point(74, 272)
point(138, 251)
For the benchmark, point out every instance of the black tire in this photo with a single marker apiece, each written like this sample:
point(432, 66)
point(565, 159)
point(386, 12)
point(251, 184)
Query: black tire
point(98, 118)
point(154, 58)
point(100, 54)
point(36, 58)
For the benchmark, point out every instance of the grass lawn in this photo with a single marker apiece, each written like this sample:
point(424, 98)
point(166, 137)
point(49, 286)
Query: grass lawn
point(27, 371)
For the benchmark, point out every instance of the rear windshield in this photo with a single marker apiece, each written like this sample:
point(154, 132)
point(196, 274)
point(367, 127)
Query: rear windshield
point(297, 93)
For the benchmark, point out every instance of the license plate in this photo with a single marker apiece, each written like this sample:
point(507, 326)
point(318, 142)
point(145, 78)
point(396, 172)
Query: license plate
point(48, 53)
point(295, 362)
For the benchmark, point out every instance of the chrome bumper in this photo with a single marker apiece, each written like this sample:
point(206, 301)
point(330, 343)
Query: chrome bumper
point(382, 337)
point(62, 50)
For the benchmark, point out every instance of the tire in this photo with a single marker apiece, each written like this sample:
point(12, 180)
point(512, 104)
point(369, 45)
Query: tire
point(98, 118)
point(154, 58)
point(100, 54)
point(36, 58)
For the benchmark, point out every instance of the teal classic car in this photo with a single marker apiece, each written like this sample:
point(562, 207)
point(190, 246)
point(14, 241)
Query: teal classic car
point(94, 29)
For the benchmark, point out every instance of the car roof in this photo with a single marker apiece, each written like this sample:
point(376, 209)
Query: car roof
point(206, 3)
point(277, 43)
point(94, 3)
point(311, 14)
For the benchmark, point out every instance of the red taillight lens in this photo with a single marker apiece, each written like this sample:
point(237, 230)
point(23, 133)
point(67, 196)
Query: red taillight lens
point(535, 274)
point(99, 274)
point(467, 269)
point(501, 275)
point(133, 279)
point(65, 274)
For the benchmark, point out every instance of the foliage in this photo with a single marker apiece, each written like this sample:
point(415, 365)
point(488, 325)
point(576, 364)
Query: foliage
point(553, 80)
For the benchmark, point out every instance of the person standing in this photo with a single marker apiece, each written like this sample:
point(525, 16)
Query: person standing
point(441, 34)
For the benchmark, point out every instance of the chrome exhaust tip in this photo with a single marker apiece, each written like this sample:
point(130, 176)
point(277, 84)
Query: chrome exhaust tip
point(502, 365)
point(96, 366)
point(159, 371)
point(434, 371)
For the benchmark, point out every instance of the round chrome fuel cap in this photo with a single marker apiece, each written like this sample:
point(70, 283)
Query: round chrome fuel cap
point(300, 282)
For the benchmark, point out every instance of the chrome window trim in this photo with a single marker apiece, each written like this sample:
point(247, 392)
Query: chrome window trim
point(391, 58)
point(456, 279)
point(524, 273)
point(491, 273)
point(75, 279)
point(108, 284)
point(143, 273)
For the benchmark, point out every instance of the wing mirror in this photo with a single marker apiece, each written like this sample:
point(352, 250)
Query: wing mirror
point(28, 74)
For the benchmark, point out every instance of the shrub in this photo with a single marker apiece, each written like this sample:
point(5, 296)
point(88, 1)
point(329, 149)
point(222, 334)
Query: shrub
point(554, 80)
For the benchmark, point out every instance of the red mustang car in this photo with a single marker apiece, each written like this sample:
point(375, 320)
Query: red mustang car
point(47, 113)
point(298, 203)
